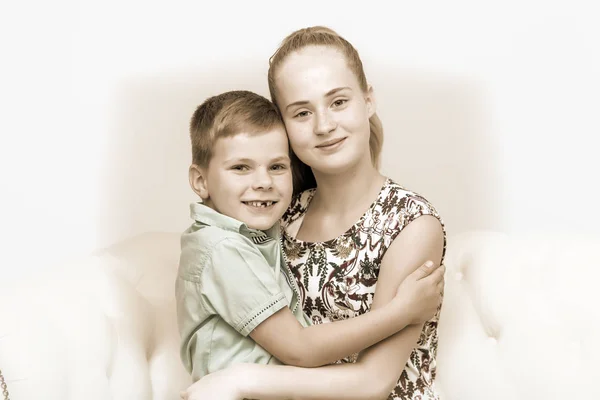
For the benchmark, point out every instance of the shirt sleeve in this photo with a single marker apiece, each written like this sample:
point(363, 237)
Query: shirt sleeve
point(190, 315)
point(240, 286)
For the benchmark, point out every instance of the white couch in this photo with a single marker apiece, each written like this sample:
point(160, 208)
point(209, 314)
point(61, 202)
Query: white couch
point(521, 320)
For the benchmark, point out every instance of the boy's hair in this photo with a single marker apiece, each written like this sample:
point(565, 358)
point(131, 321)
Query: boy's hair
point(323, 36)
point(228, 114)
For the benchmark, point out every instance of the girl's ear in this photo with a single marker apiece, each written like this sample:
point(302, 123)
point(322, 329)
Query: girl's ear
point(198, 181)
point(370, 101)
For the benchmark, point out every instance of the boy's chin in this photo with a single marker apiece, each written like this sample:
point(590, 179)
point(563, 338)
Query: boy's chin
point(265, 219)
point(261, 226)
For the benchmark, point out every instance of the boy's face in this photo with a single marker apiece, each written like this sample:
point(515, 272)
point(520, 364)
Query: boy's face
point(249, 178)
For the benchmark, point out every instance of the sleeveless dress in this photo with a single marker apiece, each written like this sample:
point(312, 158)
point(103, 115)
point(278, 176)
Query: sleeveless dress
point(337, 278)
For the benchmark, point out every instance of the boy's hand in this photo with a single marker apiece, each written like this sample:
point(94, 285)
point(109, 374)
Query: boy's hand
point(421, 292)
point(218, 385)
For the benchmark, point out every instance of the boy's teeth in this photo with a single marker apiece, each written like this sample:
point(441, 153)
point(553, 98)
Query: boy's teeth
point(260, 204)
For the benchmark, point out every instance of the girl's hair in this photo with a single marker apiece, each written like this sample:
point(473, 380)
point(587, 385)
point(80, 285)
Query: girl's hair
point(323, 36)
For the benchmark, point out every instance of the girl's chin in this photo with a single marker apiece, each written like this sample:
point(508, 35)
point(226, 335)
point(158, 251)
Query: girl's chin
point(334, 166)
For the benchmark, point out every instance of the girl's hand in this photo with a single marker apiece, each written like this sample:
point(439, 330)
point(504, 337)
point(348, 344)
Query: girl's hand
point(219, 385)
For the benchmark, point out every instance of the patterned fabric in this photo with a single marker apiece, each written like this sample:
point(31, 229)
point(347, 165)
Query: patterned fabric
point(337, 278)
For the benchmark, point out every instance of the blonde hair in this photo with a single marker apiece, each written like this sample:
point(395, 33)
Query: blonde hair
point(323, 36)
point(229, 114)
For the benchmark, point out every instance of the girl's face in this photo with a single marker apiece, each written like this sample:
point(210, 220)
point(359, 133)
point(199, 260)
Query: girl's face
point(325, 111)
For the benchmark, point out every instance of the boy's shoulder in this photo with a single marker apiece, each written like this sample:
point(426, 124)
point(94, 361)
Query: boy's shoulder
point(200, 242)
point(207, 237)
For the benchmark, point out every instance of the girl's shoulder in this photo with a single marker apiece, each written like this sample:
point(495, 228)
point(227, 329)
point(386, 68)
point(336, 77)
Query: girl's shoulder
point(396, 199)
point(400, 206)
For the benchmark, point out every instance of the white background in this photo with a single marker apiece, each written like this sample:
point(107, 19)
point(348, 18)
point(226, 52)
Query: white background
point(491, 110)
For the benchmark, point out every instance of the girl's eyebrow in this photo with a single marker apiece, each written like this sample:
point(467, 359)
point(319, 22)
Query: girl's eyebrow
point(305, 102)
point(334, 91)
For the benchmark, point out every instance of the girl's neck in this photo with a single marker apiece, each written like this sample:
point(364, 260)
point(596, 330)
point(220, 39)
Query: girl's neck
point(342, 193)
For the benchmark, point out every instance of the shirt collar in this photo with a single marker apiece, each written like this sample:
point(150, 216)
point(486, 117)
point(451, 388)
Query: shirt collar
point(206, 215)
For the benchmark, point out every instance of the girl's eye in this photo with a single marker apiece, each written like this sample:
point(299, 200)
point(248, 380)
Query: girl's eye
point(340, 102)
point(301, 114)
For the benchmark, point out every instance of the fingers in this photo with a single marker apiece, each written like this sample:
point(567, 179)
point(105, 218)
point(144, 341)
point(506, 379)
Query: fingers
point(433, 278)
point(183, 395)
point(423, 271)
point(435, 281)
point(437, 275)
point(440, 286)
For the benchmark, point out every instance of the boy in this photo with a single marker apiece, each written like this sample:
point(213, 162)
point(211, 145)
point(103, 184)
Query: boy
point(237, 300)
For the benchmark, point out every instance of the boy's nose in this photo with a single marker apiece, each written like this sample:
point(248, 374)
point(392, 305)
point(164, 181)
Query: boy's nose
point(262, 180)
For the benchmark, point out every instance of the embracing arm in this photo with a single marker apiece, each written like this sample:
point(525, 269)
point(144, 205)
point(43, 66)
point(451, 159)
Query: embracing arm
point(378, 368)
point(316, 345)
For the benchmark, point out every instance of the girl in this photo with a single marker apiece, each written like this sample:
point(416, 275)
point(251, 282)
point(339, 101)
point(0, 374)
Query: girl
point(351, 235)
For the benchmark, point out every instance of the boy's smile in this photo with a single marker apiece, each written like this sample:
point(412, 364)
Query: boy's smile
point(249, 177)
point(260, 204)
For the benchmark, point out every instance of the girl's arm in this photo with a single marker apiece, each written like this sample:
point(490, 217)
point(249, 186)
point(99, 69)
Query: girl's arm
point(378, 368)
point(282, 335)
point(422, 239)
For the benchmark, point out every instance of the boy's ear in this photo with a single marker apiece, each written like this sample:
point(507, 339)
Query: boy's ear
point(370, 101)
point(198, 181)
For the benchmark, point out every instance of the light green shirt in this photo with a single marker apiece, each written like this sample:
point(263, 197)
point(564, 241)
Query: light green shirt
point(230, 279)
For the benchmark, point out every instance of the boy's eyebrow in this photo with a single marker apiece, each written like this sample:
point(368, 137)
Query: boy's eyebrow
point(238, 160)
point(249, 160)
point(304, 102)
point(281, 158)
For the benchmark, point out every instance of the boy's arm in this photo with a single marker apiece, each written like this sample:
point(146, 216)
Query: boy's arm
point(378, 368)
point(282, 335)
point(241, 288)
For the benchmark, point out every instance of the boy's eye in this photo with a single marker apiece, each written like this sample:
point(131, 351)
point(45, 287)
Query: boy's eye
point(279, 167)
point(239, 167)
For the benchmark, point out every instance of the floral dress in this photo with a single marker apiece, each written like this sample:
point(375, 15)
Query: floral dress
point(337, 278)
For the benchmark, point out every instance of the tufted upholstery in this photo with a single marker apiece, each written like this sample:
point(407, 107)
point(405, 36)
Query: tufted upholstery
point(102, 328)
point(520, 318)
point(520, 321)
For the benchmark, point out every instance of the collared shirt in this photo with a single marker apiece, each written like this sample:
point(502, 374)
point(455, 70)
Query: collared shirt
point(231, 278)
